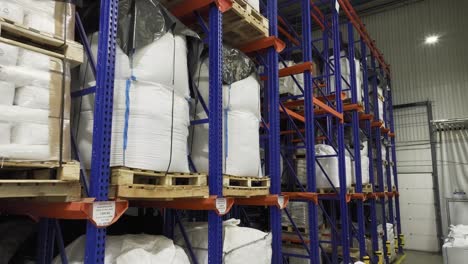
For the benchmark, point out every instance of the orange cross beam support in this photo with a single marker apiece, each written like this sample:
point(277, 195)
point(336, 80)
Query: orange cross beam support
point(366, 116)
point(288, 36)
point(326, 109)
point(188, 6)
point(293, 70)
point(293, 114)
point(302, 196)
point(391, 134)
point(187, 204)
point(325, 99)
point(377, 123)
point(264, 43)
point(78, 210)
point(269, 200)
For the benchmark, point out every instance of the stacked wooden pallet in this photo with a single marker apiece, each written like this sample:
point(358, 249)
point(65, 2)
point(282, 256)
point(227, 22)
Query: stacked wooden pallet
point(241, 24)
point(241, 186)
point(49, 181)
point(131, 183)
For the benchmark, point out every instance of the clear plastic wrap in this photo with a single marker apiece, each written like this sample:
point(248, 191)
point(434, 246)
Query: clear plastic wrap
point(33, 121)
point(48, 16)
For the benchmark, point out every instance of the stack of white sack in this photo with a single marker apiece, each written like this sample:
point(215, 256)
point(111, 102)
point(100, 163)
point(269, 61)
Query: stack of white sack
point(153, 134)
point(130, 249)
point(346, 76)
point(49, 16)
point(329, 165)
point(240, 244)
point(30, 105)
point(241, 118)
point(455, 249)
point(287, 85)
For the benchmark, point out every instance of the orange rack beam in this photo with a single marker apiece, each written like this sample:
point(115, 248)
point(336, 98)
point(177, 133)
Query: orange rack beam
point(302, 196)
point(187, 7)
point(377, 123)
point(363, 116)
point(269, 200)
point(349, 196)
point(300, 102)
point(288, 36)
point(264, 43)
point(205, 204)
point(82, 209)
point(385, 130)
point(391, 134)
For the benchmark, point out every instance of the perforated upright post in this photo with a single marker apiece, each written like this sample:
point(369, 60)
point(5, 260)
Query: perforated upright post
point(378, 148)
point(309, 131)
point(368, 129)
point(340, 137)
point(361, 234)
point(274, 132)
point(215, 155)
point(395, 173)
point(103, 106)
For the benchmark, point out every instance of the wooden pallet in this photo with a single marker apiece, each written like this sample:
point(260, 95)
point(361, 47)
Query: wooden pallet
point(28, 38)
point(40, 180)
point(245, 186)
point(366, 188)
point(331, 190)
point(131, 183)
point(290, 229)
point(241, 24)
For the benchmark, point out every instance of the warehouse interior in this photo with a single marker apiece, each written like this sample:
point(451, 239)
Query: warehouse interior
point(228, 131)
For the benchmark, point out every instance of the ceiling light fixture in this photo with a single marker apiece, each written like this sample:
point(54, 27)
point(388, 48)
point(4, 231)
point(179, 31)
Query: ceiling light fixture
point(431, 39)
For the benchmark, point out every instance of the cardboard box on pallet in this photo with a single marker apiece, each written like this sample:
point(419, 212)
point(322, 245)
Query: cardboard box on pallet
point(47, 16)
point(35, 121)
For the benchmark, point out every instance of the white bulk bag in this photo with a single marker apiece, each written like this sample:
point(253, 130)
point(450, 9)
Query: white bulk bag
point(25, 152)
point(18, 114)
point(23, 76)
point(331, 168)
point(7, 92)
point(241, 144)
point(364, 170)
point(243, 95)
point(38, 20)
point(130, 249)
point(5, 133)
point(241, 245)
point(149, 130)
point(122, 63)
point(32, 97)
point(172, 52)
point(32, 59)
point(8, 54)
point(30, 134)
point(11, 11)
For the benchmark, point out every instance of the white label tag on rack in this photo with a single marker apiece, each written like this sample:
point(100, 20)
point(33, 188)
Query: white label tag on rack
point(337, 6)
point(281, 201)
point(221, 205)
point(103, 212)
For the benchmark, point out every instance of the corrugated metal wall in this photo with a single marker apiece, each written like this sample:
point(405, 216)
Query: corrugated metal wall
point(419, 72)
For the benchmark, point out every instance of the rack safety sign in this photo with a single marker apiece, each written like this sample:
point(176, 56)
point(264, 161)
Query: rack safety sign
point(103, 212)
point(221, 205)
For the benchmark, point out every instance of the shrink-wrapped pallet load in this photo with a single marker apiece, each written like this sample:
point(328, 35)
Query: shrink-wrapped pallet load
point(35, 121)
point(47, 16)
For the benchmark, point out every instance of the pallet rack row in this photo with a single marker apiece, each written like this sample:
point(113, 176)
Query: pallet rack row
point(319, 109)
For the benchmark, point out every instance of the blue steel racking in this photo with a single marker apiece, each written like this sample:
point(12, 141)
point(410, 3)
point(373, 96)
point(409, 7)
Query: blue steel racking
point(361, 120)
point(326, 106)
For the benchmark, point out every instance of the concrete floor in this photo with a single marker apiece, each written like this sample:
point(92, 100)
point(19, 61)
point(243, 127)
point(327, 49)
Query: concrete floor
point(418, 257)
